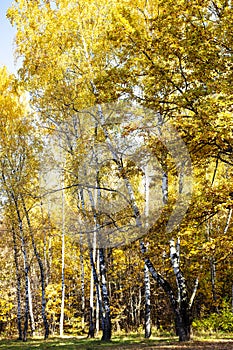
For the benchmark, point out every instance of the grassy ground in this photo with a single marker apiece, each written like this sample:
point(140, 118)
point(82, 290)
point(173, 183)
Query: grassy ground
point(120, 343)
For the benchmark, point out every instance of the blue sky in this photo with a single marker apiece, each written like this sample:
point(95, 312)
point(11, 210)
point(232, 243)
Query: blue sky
point(6, 38)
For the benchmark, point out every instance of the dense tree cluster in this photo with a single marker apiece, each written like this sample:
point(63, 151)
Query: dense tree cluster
point(116, 167)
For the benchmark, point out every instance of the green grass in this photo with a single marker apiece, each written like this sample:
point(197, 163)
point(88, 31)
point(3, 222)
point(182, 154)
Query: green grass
point(130, 342)
point(71, 343)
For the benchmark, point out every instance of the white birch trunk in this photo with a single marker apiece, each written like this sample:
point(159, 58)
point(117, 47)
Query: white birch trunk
point(18, 289)
point(31, 315)
point(62, 264)
point(82, 284)
point(97, 309)
point(146, 270)
point(42, 275)
point(93, 277)
point(147, 302)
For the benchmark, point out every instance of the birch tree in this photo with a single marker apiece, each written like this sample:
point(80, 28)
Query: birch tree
point(19, 164)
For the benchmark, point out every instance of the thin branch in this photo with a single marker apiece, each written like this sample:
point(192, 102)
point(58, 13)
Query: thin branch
point(194, 293)
point(215, 170)
point(228, 221)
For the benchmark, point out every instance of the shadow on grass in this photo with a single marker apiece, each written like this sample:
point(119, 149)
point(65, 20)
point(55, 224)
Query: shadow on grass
point(132, 342)
point(69, 343)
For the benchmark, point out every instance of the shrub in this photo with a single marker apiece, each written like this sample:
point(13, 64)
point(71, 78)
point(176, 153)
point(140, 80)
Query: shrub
point(222, 322)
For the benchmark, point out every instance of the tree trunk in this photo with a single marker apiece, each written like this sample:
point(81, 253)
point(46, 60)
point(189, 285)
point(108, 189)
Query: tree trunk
point(180, 310)
point(107, 326)
point(26, 312)
point(213, 282)
point(31, 315)
point(182, 326)
point(26, 271)
point(96, 282)
point(91, 332)
point(46, 241)
point(105, 312)
point(42, 275)
point(25, 261)
point(19, 324)
point(97, 308)
point(138, 311)
point(14, 202)
point(131, 305)
point(63, 265)
point(212, 269)
point(183, 313)
point(146, 271)
point(164, 154)
point(82, 285)
point(147, 302)
point(94, 277)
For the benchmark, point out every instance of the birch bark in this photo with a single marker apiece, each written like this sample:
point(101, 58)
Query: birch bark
point(18, 278)
point(42, 273)
point(146, 270)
